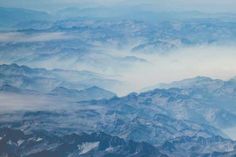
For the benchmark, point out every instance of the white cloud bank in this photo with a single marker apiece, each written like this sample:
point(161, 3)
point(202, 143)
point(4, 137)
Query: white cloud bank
point(212, 61)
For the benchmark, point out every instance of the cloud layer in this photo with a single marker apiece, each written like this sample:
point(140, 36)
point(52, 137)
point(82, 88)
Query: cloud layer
point(37, 37)
point(200, 5)
point(213, 61)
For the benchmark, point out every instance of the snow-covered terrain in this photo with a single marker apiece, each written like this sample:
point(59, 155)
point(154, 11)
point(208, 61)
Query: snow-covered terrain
point(69, 77)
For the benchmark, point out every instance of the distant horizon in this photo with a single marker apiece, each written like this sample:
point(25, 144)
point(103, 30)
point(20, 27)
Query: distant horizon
point(207, 6)
point(93, 7)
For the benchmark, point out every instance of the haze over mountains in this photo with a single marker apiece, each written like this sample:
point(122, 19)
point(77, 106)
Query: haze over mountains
point(169, 119)
point(124, 46)
point(70, 82)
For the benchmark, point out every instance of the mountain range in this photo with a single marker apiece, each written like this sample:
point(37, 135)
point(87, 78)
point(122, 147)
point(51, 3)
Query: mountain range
point(16, 143)
point(185, 117)
point(65, 75)
point(43, 80)
point(104, 45)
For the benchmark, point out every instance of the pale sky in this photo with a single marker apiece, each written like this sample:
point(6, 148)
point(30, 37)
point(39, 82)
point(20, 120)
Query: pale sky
point(179, 5)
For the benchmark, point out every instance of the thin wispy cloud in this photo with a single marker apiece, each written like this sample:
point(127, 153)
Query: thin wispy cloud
point(37, 37)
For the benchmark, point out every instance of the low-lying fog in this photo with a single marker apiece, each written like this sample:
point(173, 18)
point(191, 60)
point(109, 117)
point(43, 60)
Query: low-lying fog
point(138, 70)
point(212, 61)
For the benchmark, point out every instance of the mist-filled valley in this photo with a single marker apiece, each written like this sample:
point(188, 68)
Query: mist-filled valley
point(117, 81)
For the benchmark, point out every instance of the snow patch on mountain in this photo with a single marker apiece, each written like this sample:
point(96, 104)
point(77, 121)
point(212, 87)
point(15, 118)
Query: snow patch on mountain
point(88, 146)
